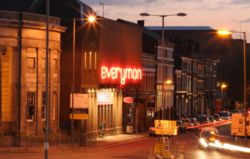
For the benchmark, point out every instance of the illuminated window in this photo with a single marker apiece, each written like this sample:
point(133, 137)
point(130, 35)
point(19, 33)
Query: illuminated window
point(85, 60)
point(54, 105)
point(95, 60)
point(90, 60)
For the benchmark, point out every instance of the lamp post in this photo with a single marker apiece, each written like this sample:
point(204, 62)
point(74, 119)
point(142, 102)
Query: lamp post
point(46, 143)
point(225, 32)
point(102, 4)
point(91, 19)
point(163, 43)
point(222, 88)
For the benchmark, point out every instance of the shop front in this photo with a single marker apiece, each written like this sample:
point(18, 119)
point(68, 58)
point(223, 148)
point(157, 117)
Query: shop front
point(105, 110)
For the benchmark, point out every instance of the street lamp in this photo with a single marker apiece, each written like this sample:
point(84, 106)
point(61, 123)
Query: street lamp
point(168, 83)
point(222, 88)
point(225, 32)
point(91, 19)
point(162, 41)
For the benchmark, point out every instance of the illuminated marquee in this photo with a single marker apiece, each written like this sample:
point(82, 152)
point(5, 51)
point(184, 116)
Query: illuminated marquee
point(122, 74)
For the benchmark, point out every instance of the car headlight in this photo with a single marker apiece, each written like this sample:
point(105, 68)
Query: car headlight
point(203, 142)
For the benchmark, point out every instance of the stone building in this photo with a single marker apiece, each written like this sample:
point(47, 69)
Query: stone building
point(23, 73)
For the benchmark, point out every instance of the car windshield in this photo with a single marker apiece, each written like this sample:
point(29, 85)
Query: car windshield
point(224, 114)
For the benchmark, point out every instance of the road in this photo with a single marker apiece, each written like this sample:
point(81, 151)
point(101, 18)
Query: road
point(189, 140)
point(138, 149)
point(185, 145)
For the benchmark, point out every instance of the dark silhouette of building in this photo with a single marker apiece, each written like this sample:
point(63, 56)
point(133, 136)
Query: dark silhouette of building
point(193, 93)
point(206, 43)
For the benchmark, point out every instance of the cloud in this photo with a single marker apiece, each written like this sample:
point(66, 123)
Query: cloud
point(210, 8)
point(240, 2)
point(246, 20)
point(138, 2)
point(119, 2)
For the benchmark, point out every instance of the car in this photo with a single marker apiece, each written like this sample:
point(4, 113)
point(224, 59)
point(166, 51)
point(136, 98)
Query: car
point(211, 119)
point(187, 122)
point(194, 121)
point(203, 119)
point(225, 115)
point(217, 117)
point(209, 138)
point(180, 125)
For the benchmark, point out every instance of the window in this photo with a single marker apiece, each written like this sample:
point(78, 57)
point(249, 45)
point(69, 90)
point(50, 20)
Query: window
point(90, 60)
point(43, 106)
point(54, 106)
point(184, 65)
point(55, 64)
point(30, 108)
point(43, 63)
point(169, 55)
point(31, 62)
point(189, 66)
point(195, 68)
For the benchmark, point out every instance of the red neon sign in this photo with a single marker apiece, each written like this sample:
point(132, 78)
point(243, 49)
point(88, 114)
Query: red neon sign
point(122, 74)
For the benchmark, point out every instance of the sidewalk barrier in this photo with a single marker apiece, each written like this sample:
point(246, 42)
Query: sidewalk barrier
point(165, 149)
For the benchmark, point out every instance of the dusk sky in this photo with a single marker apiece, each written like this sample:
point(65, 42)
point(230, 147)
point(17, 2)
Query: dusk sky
point(219, 14)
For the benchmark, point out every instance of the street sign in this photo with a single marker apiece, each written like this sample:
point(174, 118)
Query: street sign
point(80, 100)
point(79, 116)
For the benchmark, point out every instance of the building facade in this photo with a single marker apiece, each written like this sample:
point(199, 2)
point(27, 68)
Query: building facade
point(23, 73)
point(107, 68)
point(195, 89)
point(164, 80)
point(147, 90)
point(195, 68)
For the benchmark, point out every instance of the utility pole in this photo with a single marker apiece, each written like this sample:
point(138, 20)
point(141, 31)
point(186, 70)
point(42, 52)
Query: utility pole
point(102, 4)
point(46, 143)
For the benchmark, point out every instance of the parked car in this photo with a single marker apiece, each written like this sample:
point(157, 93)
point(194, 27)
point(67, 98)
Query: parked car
point(211, 119)
point(217, 117)
point(187, 122)
point(225, 115)
point(194, 121)
point(203, 119)
point(180, 125)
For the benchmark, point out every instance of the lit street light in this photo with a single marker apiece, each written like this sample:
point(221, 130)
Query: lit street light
point(91, 19)
point(225, 32)
point(163, 42)
point(167, 83)
point(222, 88)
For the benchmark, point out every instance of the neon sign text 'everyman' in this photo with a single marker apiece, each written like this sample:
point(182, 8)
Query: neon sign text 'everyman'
point(122, 74)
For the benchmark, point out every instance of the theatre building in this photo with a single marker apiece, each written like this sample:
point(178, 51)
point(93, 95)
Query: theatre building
point(107, 64)
point(23, 73)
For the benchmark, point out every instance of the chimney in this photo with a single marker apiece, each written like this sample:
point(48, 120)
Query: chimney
point(140, 23)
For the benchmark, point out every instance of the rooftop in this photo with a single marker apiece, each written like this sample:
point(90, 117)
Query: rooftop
point(182, 28)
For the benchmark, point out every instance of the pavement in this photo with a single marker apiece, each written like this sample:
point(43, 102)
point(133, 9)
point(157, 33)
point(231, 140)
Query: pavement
point(97, 143)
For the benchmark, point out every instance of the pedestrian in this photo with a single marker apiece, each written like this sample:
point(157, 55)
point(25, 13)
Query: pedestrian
point(102, 127)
